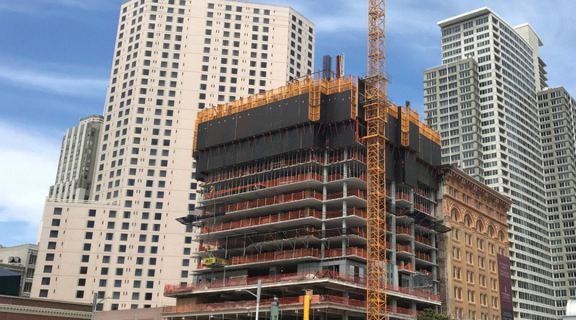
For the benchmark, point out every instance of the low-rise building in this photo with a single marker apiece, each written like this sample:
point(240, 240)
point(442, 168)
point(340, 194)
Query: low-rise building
point(22, 260)
point(21, 308)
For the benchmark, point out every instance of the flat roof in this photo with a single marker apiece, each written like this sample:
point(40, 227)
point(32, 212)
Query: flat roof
point(483, 11)
point(466, 16)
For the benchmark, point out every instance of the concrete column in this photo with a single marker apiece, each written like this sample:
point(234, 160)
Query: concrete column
point(392, 233)
point(324, 196)
point(433, 196)
point(413, 305)
point(344, 203)
point(413, 245)
point(434, 268)
point(411, 193)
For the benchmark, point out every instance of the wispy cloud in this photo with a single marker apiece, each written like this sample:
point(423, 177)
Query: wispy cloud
point(53, 82)
point(28, 168)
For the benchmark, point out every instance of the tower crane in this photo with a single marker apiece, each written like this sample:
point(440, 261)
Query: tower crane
point(376, 110)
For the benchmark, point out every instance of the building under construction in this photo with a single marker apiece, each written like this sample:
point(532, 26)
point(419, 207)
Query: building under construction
point(284, 202)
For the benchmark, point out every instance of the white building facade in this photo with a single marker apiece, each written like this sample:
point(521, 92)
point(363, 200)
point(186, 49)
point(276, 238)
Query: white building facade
point(558, 132)
point(171, 59)
point(482, 100)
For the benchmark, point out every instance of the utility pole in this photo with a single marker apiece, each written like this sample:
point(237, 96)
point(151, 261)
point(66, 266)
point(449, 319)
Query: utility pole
point(258, 291)
point(257, 296)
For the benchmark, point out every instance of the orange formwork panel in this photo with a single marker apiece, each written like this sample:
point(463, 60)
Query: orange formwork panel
point(403, 230)
point(423, 240)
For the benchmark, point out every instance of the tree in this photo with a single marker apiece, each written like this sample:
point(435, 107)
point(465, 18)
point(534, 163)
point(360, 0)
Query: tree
point(430, 314)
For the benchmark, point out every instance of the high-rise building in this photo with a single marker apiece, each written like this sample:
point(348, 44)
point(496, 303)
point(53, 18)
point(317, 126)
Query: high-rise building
point(171, 59)
point(482, 100)
point(284, 204)
point(77, 158)
point(558, 132)
point(469, 254)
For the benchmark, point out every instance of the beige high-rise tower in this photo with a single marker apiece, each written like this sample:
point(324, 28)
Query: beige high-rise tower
point(171, 59)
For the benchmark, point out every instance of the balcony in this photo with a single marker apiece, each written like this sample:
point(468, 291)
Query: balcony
point(264, 220)
point(423, 193)
point(276, 203)
point(424, 258)
point(354, 181)
point(253, 190)
point(252, 170)
point(242, 306)
point(355, 217)
point(423, 240)
point(262, 241)
point(403, 198)
point(406, 267)
point(286, 279)
point(283, 202)
point(426, 208)
point(276, 256)
point(403, 233)
point(350, 252)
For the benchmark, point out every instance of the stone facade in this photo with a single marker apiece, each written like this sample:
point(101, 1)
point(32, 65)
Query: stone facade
point(19, 308)
point(468, 254)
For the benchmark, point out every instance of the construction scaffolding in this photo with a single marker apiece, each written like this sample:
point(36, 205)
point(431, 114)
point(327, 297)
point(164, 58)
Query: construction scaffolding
point(314, 86)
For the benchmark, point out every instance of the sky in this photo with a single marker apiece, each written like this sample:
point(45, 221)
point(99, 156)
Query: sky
point(56, 56)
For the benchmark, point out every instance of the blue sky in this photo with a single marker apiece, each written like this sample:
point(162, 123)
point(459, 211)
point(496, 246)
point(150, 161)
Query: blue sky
point(55, 58)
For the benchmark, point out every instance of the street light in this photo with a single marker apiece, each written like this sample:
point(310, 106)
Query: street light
point(257, 296)
point(95, 303)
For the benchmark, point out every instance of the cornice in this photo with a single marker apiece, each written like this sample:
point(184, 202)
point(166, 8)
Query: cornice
point(31, 310)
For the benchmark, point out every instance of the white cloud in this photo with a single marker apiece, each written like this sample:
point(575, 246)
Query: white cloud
point(411, 27)
point(28, 168)
point(52, 82)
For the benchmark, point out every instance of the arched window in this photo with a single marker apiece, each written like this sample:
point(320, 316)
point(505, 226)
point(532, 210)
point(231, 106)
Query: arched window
point(467, 220)
point(501, 235)
point(454, 215)
point(491, 231)
point(480, 226)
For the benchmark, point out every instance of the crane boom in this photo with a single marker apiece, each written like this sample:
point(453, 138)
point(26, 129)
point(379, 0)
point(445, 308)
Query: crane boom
point(376, 105)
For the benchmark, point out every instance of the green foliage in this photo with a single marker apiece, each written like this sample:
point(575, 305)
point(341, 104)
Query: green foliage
point(430, 314)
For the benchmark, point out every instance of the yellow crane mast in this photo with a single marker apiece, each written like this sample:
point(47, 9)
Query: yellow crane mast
point(376, 105)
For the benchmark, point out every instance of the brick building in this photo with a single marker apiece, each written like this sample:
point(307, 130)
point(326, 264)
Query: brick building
point(468, 256)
